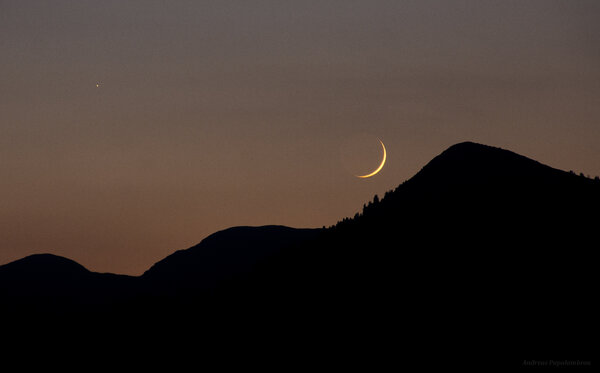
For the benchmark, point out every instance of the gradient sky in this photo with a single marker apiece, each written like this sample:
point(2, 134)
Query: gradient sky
point(212, 114)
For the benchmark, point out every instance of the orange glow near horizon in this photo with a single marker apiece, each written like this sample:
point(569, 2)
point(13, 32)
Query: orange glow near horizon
point(130, 130)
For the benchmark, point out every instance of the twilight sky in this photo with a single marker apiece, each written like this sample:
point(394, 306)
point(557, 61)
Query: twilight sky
point(211, 114)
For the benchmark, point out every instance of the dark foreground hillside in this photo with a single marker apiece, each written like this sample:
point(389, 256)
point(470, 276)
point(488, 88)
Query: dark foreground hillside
point(483, 253)
point(483, 257)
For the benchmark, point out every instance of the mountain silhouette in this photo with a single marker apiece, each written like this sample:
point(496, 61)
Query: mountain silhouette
point(483, 253)
point(222, 257)
point(50, 283)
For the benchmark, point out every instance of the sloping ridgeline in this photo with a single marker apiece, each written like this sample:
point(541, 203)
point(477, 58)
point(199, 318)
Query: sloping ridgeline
point(483, 254)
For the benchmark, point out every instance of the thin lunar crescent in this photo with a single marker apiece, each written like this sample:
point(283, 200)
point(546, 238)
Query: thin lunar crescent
point(378, 168)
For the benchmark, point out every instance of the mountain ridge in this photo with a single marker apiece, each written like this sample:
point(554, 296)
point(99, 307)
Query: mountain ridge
point(482, 254)
point(40, 262)
point(224, 255)
point(451, 161)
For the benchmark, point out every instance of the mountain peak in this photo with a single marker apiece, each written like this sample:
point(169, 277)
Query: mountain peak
point(44, 264)
point(469, 160)
point(485, 176)
point(226, 254)
point(471, 147)
point(473, 150)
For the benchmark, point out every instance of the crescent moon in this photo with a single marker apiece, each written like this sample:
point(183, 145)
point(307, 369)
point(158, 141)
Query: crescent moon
point(378, 168)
